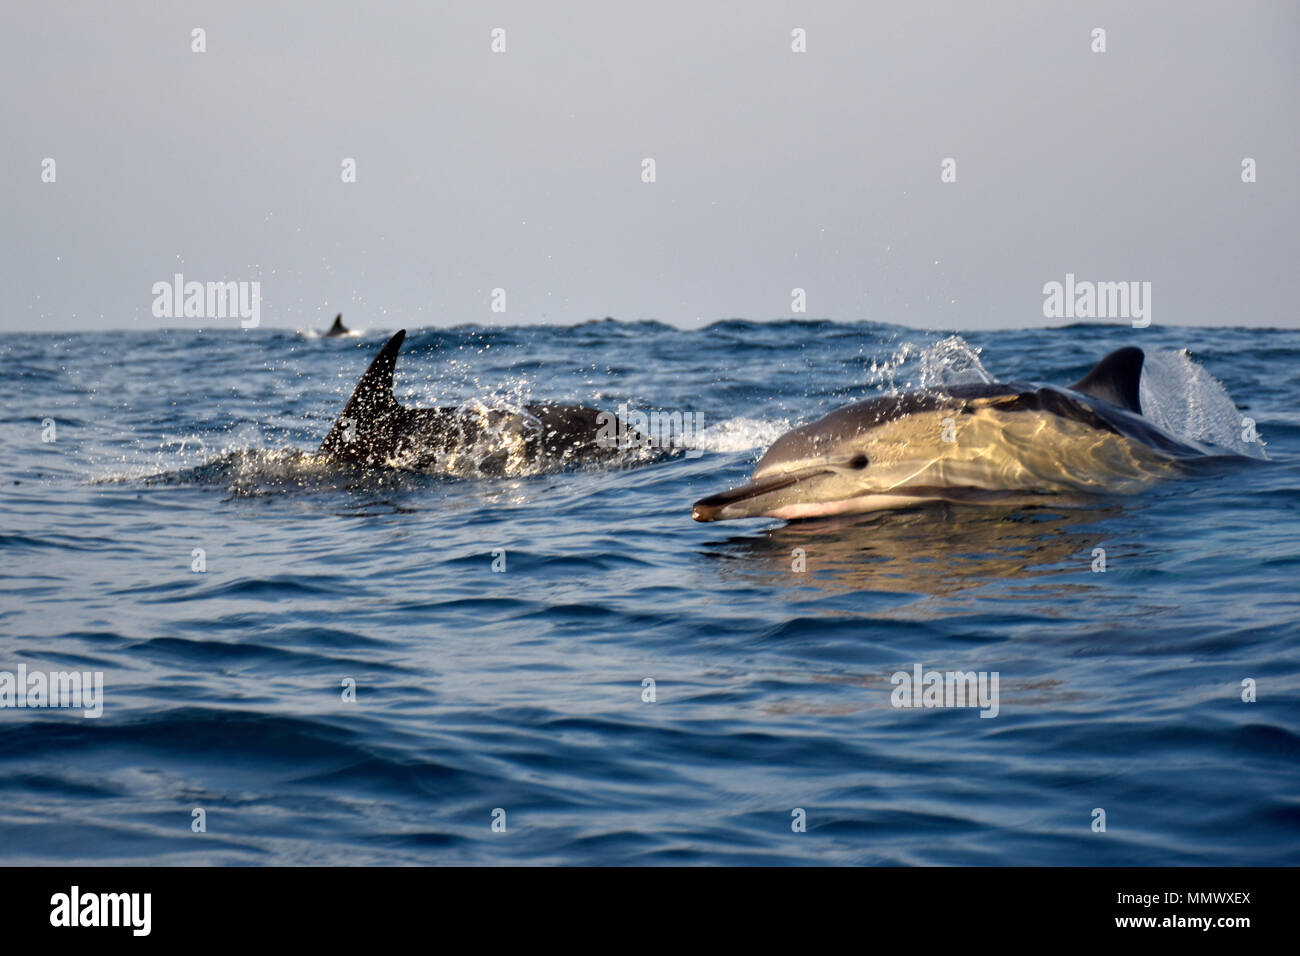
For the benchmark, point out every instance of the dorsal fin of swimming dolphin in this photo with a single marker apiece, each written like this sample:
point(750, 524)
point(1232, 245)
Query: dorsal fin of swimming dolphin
point(375, 430)
point(1116, 379)
point(338, 328)
point(372, 402)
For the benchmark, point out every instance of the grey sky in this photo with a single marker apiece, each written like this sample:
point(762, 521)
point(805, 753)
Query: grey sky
point(522, 170)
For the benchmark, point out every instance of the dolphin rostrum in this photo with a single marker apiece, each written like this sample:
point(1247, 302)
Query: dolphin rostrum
point(983, 443)
point(377, 431)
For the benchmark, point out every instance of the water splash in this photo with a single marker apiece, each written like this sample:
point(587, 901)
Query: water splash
point(952, 361)
point(884, 373)
point(739, 434)
point(1181, 397)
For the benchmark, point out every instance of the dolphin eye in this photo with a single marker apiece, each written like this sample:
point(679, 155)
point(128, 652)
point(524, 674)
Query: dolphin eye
point(858, 462)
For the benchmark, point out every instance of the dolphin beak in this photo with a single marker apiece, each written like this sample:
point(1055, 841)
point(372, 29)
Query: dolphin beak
point(750, 500)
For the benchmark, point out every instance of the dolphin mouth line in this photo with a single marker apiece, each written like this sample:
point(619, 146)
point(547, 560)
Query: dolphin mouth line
point(714, 507)
point(711, 508)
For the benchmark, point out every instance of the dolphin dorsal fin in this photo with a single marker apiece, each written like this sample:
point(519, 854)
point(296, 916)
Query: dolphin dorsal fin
point(1116, 379)
point(372, 400)
point(374, 393)
point(338, 324)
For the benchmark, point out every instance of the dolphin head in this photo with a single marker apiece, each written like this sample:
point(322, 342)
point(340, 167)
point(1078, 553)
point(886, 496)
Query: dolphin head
point(857, 458)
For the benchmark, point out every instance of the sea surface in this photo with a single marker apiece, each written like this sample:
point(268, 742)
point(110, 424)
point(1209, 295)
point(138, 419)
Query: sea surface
point(327, 665)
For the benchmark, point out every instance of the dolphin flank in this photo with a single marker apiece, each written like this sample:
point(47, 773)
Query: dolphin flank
point(374, 430)
point(983, 443)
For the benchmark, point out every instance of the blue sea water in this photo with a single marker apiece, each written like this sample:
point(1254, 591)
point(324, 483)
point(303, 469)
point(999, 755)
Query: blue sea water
point(522, 691)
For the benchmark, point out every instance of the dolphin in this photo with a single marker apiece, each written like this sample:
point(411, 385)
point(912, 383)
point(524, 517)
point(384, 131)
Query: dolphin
point(983, 443)
point(376, 431)
point(338, 328)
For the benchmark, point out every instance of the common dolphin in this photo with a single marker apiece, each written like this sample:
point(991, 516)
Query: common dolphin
point(983, 443)
point(375, 430)
point(338, 328)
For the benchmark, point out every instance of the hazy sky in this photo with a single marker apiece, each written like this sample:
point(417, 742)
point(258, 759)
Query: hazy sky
point(774, 170)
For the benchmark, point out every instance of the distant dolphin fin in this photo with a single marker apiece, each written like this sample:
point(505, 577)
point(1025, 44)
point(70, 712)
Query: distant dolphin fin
point(372, 401)
point(337, 328)
point(1116, 379)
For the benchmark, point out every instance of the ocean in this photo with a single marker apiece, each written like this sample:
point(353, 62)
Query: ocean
point(306, 665)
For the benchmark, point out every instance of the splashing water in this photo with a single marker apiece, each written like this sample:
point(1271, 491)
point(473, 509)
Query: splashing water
point(953, 361)
point(739, 434)
point(1184, 399)
point(883, 373)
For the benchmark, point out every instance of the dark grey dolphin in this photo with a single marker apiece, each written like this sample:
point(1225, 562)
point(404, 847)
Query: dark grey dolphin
point(376, 431)
point(338, 328)
point(987, 443)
